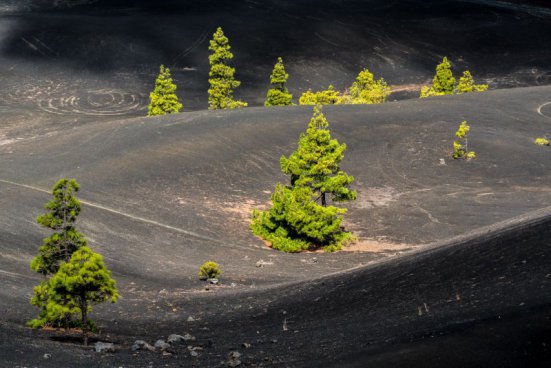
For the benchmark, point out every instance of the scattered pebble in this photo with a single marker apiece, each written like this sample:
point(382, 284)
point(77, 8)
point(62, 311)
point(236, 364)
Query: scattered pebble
point(234, 359)
point(104, 347)
point(142, 345)
point(47, 356)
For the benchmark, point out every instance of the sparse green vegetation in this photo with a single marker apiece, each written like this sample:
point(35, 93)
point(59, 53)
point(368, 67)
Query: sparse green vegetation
point(221, 75)
point(366, 90)
point(443, 82)
point(209, 270)
point(541, 141)
point(296, 222)
point(278, 94)
point(163, 99)
point(460, 145)
point(326, 97)
point(467, 85)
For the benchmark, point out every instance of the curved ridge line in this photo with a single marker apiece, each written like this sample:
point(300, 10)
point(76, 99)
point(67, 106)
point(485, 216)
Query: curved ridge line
point(133, 217)
point(541, 106)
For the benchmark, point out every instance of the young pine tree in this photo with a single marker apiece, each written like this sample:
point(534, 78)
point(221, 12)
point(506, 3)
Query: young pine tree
point(77, 285)
point(443, 82)
point(366, 90)
point(461, 144)
point(63, 211)
point(330, 96)
point(316, 163)
point(467, 85)
point(278, 95)
point(163, 99)
point(221, 76)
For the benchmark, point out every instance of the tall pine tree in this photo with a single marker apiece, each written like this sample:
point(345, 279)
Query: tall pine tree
point(278, 94)
point(221, 75)
point(366, 90)
point(61, 217)
point(316, 162)
point(296, 221)
point(163, 99)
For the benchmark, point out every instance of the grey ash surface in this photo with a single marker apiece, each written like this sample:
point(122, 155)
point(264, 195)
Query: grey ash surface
point(163, 195)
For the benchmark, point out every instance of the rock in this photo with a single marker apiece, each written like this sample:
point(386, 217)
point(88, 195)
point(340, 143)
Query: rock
point(213, 281)
point(191, 319)
point(263, 263)
point(442, 161)
point(162, 344)
point(104, 347)
point(233, 284)
point(246, 345)
point(194, 350)
point(234, 359)
point(47, 356)
point(142, 345)
point(188, 337)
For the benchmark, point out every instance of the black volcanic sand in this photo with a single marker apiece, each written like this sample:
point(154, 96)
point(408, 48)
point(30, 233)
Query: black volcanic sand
point(80, 61)
point(163, 195)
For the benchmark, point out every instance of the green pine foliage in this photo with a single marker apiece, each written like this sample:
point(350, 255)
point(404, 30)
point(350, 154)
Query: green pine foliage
point(316, 162)
point(367, 90)
point(461, 144)
point(443, 82)
point(541, 141)
point(163, 99)
point(467, 85)
point(326, 97)
point(209, 270)
point(278, 94)
point(221, 75)
point(78, 284)
point(296, 221)
point(61, 217)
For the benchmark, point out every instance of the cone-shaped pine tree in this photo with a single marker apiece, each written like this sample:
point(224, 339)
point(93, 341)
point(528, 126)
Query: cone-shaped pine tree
point(221, 76)
point(443, 82)
point(163, 99)
point(77, 285)
point(64, 209)
point(278, 95)
point(296, 221)
point(316, 162)
point(467, 85)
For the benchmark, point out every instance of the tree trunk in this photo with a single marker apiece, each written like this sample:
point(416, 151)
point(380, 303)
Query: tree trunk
point(84, 323)
point(323, 201)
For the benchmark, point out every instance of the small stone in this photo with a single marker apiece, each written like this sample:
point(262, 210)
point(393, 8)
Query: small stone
point(234, 359)
point(175, 338)
point(188, 337)
point(191, 319)
point(47, 356)
point(233, 284)
point(104, 347)
point(193, 353)
point(141, 345)
point(274, 341)
point(442, 161)
point(246, 345)
point(162, 344)
point(213, 281)
point(315, 260)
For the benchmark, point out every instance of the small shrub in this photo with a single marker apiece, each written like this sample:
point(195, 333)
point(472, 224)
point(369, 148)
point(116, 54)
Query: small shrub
point(467, 85)
point(327, 97)
point(541, 141)
point(209, 270)
point(460, 145)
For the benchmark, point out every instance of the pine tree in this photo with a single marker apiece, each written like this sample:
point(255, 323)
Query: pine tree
point(296, 222)
point(278, 95)
point(467, 85)
point(461, 144)
point(366, 90)
point(316, 162)
point(163, 99)
point(221, 76)
point(77, 285)
point(325, 97)
point(443, 82)
point(64, 209)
